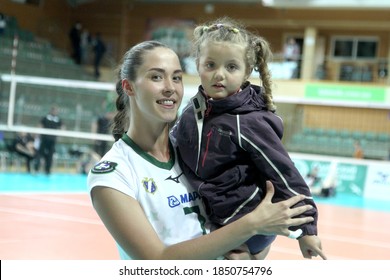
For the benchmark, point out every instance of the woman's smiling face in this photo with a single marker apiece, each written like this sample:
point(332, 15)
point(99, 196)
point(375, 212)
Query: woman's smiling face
point(158, 88)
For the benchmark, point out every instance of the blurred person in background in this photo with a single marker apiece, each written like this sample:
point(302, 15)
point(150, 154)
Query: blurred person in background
point(358, 150)
point(292, 53)
point(100, 49)
point(23, 145)
point(48, 142)
point(75, 39)
point(102, 125)
point(87, 161)
point(3, 23)
point(85, 45)
point(291, 50)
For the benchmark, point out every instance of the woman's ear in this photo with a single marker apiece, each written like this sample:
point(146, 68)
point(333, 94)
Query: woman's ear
point(127, 87)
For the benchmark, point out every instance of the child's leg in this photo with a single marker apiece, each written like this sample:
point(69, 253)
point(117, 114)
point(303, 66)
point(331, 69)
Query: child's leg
point(258, 243)
point(263, 254)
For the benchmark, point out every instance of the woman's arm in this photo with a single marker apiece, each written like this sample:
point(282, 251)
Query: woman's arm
point(127, 223)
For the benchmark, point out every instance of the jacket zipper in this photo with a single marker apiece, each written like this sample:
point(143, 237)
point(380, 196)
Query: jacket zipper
point(207, 146)
point(208, 110)
point(206, 114)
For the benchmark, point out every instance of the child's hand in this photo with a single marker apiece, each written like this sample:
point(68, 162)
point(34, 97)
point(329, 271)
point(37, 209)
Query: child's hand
point(311, 247)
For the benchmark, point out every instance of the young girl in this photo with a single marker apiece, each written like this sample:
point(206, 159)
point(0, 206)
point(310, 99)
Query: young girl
point(138, 188)
point(229, 137)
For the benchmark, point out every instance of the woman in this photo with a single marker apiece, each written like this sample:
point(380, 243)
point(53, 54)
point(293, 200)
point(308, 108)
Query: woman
point(138, 188)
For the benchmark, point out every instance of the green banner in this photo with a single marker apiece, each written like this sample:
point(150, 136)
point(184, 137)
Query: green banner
point(345, 93)
point(351, 178)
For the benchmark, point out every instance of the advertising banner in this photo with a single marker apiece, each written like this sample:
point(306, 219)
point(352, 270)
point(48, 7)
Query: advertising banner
point(346, 178)
point(378, 181)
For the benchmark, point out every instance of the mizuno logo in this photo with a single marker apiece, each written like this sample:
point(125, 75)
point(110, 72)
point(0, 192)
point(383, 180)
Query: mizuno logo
point(175, 179)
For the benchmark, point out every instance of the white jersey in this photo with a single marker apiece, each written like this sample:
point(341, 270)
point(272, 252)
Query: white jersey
point(172, 207)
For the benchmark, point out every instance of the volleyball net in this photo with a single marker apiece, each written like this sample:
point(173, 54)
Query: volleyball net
point(24, 100)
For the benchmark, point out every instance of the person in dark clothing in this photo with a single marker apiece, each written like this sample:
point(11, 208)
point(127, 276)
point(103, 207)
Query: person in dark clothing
point(102, 126)
point(3, 23)
point(75, 39)
point(100, 49)
point(23, 145)
point(229, 137)
point(48, 142)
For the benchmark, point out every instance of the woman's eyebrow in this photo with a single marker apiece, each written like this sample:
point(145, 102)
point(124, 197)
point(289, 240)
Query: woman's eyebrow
point(161, 70)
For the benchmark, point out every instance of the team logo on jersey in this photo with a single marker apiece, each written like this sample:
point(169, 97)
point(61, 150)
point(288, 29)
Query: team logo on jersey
point(173, 201)
point(104, 167)
point(149, 185)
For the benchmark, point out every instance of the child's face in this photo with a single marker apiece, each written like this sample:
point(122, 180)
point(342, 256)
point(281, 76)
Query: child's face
point(222, 68)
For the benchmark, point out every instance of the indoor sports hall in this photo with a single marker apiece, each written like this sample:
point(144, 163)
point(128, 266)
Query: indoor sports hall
point(334, 99)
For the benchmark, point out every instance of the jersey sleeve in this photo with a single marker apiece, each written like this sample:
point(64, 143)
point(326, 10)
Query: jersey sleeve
point(110, 173)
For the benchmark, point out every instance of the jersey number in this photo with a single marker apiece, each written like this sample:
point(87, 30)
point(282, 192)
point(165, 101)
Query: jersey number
point(201, 219)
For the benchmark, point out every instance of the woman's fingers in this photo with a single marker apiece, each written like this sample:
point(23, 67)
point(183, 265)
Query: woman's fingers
point(300, 210)
point(294, 200)
point(280, 216)
point(289, 202)
point(298, 221)
point(270, 191)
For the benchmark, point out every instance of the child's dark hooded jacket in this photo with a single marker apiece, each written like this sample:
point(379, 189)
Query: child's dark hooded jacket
point(240, 148)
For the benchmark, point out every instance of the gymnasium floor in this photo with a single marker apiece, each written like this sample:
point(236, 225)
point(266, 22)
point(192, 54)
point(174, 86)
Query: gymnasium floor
point(51, 218)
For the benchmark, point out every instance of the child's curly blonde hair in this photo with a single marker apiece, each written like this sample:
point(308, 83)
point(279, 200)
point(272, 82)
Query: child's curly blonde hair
point(258, 52)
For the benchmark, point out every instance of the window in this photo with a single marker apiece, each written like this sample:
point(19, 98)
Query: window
point(352, 48)
point(343, 48)
point(366, 49)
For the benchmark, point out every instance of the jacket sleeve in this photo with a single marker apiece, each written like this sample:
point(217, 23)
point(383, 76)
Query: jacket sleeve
point(261, 138)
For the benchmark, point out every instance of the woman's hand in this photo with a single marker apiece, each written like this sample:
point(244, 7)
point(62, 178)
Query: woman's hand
point(276, 218)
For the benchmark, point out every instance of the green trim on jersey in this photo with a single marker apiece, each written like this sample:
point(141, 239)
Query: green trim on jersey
point(165, 165)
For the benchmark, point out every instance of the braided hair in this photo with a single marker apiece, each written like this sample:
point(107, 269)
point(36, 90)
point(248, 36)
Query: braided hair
point(258, 52)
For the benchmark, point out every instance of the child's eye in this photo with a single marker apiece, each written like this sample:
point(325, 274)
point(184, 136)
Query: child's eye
point(178, 78)
point(156, 77)
point(232, 67)
point(209, 65)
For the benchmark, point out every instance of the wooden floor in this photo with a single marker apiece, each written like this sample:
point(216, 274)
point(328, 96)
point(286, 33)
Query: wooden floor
point(65, 227)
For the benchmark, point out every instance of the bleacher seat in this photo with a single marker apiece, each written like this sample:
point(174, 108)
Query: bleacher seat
point(339, 142)
point(384, 137)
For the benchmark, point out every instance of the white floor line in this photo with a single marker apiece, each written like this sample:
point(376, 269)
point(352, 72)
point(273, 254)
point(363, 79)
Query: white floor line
point(59, 199)
point(46, 215)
